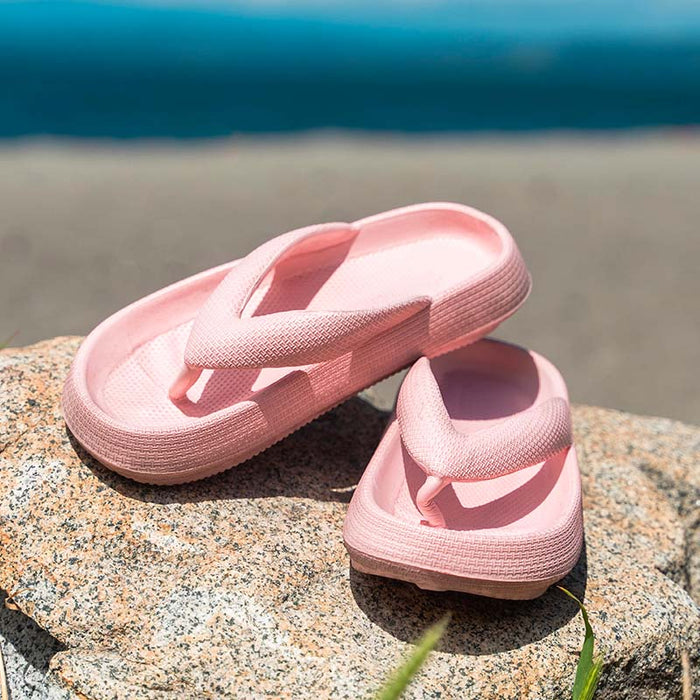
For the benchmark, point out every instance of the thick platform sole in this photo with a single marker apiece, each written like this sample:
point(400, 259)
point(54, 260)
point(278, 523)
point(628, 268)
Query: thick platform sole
point(436, 581)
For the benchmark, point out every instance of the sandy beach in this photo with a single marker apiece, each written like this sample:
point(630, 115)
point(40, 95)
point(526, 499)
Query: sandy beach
point(608, 225)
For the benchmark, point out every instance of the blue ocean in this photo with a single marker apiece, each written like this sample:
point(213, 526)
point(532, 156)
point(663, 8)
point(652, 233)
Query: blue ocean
point(129, 70)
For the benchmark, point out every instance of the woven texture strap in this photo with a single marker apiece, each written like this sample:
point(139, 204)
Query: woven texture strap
point(223, 336)
point(446, 455)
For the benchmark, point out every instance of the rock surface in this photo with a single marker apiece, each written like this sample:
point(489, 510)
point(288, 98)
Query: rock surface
point(239, 586)
point(27, 651)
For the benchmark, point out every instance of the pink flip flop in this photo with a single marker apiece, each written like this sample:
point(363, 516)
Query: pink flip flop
point(208, 372)
point(475, 485)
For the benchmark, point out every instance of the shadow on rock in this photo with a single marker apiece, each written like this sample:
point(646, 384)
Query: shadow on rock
point(479, 625)
point(32, 647)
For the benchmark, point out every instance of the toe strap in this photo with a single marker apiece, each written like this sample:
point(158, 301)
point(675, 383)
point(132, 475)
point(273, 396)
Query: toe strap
point(225, 336)
point(447, 455)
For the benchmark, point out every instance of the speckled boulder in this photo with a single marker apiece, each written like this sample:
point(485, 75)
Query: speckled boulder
point(239, 586)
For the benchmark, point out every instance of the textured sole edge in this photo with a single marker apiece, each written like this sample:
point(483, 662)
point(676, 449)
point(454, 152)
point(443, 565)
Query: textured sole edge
point(177, 478)
point(438, 581)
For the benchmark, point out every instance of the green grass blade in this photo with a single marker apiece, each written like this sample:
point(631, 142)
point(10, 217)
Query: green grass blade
point(588, 670)
point(403, 675)
point(591, 681)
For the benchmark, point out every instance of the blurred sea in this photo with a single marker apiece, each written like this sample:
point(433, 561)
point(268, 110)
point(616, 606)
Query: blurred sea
point(104, 69)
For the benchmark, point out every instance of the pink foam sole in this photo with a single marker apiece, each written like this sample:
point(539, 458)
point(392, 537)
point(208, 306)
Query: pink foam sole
point(439, 582)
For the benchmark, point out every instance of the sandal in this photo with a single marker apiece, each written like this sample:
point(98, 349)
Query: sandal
point(206, 373)
point(475, 485)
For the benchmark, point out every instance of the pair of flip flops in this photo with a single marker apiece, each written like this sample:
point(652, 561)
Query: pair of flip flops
point(474, 486)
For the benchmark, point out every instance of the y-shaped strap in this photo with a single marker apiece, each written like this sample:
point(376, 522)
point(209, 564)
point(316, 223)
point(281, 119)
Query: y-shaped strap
point(223, 337)
point(447, 455)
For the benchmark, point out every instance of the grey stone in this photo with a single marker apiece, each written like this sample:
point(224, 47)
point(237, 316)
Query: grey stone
point(27, 651)
point(239, 585)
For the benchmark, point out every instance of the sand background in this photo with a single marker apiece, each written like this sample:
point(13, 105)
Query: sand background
point(609, 226)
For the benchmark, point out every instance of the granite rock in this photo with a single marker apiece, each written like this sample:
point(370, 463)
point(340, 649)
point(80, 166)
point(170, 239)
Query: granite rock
point(27, 651)
point(239, 585)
